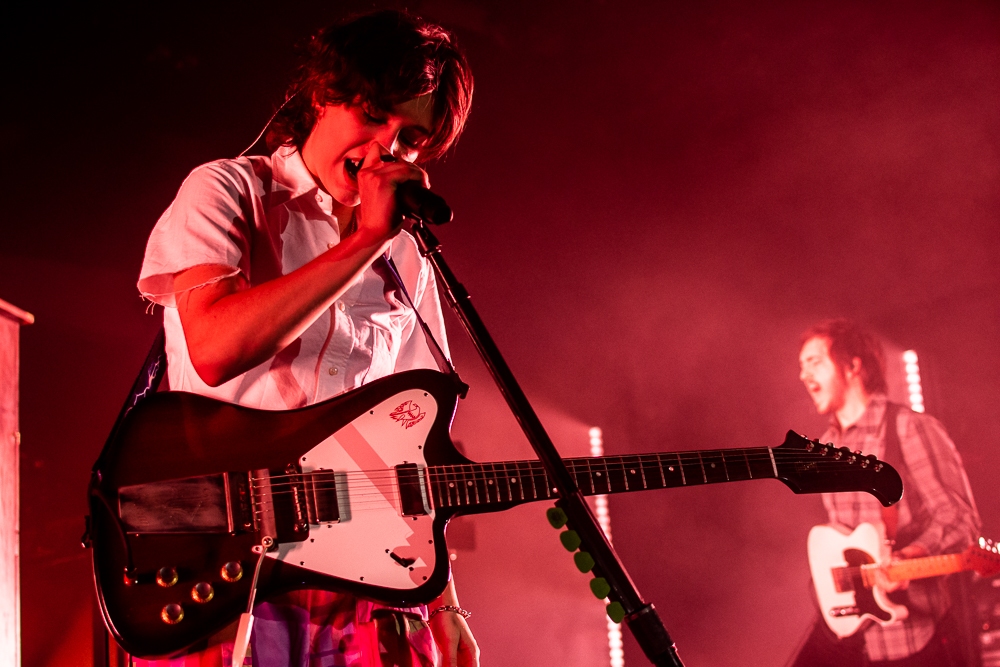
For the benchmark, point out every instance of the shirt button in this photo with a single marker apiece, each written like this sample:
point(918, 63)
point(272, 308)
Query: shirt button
point(341, 306)
point(333, 370)
point(330, 245)
point(319, 197)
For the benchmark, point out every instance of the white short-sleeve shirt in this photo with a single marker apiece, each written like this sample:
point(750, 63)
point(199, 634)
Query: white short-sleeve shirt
point(264, 217)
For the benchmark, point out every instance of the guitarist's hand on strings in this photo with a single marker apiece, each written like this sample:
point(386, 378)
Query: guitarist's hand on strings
point(906, 553)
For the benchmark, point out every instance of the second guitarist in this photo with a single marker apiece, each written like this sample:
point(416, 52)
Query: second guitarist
point(843, 369)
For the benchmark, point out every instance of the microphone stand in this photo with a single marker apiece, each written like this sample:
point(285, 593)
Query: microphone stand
point(642, 619)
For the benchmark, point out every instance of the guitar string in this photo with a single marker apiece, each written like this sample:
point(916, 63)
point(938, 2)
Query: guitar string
point(489, 470)
point(685, 458)
point(479, 473)
point(533, 487)
point(473, 488)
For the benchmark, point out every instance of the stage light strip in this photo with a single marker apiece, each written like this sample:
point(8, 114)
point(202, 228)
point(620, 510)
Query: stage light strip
point(913, 384)
point(615, 647)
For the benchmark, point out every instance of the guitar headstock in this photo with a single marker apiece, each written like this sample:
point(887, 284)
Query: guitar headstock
point(983, 557)
point(809, 466)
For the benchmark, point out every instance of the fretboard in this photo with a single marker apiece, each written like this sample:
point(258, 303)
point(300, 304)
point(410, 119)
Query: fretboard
point(921, 568)
point(502, 483)
point(900, 570)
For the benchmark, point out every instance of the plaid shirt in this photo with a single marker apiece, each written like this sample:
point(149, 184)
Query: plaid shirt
point(937, 512)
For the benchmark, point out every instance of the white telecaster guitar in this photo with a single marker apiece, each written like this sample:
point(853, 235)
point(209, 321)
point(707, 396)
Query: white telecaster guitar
point(844, 566)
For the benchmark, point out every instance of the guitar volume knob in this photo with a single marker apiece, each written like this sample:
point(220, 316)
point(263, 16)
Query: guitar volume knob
point(202, 592)
point(167, 576)
point(232, 571)
point(172, 614)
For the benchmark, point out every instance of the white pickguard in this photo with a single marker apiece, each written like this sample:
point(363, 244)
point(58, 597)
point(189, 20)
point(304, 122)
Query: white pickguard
point(362, 455)
point(826, 547)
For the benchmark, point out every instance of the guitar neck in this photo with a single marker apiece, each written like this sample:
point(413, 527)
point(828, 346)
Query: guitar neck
point(922, 568)
point(482, 486)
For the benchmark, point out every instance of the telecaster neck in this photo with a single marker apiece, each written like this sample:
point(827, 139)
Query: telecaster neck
point(915, 568)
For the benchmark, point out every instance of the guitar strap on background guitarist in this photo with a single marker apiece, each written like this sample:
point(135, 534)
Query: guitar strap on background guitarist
point(962, 605)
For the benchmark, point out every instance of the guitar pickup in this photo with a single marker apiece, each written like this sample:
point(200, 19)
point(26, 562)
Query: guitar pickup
point(322, 505)
point(411, 492)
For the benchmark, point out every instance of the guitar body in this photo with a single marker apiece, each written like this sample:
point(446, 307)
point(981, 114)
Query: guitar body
point(845, 602)
point(177, 444)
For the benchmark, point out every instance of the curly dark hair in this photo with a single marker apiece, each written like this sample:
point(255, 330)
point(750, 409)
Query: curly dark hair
point(848, 340)
point(378, 60)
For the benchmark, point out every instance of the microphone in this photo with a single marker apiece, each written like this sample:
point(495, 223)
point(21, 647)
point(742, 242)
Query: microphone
point(418, 202)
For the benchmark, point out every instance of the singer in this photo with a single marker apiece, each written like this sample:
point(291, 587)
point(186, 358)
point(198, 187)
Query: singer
point(277, 294)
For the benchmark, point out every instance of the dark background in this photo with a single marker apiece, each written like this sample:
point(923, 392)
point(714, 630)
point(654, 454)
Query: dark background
point(653, 201)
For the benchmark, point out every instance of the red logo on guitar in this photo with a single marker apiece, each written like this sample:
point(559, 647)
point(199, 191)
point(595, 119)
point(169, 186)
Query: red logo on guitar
point(408, 414)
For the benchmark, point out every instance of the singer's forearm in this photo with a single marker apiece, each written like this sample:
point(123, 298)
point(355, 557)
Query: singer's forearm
point(231, 327)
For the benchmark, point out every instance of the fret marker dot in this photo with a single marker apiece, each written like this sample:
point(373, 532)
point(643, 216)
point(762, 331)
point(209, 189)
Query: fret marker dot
point(712, 465)
point(489, 481)
point(451, 484)
point(597, 474)
point(632, 471)
point(671, 468)
point(513, 480)
point(468, 483)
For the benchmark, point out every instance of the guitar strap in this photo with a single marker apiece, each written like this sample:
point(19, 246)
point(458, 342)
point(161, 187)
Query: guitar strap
point(443, 362)
point(893, 455)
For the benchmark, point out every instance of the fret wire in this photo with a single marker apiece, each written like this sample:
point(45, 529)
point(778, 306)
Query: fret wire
point(663, 475)
point(492, 476)
point(468, 498)
point(520, 482)
point(474, 485)
point(453, 483)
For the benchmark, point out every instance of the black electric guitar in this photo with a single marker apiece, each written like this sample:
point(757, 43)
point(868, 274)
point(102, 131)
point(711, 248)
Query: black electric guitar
point(354, 493)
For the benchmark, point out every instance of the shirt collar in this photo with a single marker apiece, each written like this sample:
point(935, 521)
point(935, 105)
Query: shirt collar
point(870, 419)
point(290, 172)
